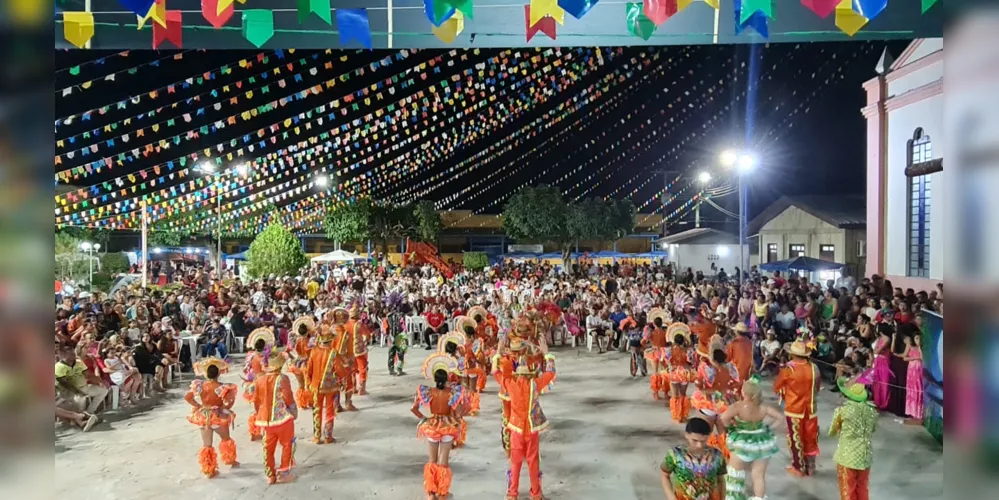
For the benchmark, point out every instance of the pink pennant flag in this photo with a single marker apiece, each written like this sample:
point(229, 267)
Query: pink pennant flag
point(659, 10)
point(822, 8)
point(545, 25)
point(216, 16)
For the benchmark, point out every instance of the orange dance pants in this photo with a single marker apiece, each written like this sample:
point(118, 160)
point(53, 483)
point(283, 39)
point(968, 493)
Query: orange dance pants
point(283, 434)
point(524, 446)
point(803, 442)
point(323, 416)
point(853, 483)
point(362, 367)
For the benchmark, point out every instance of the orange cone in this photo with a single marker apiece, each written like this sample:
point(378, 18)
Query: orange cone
point(208, 461)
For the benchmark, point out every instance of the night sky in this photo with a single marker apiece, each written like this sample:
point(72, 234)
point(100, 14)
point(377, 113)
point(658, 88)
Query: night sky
point(643, 111)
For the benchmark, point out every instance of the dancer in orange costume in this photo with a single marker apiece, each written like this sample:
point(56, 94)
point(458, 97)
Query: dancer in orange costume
point(471, 368)
point(344, 345)
point(504, 363)
point(655, 341)
point(797, 384)
point(324, 386)
point(211, 411)
point(261, 339)
point(485, 331)
point(452, 346)
point(716, 384)
point(442, 427)
point(706, 331)
point(304, 326)
point(680, 361)
point(740, 352)
point(275, 412)
point(361, 336)
point(524, 384)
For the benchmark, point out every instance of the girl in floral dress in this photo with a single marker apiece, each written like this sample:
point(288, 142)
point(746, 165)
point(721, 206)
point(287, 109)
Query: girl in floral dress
point(914, 380)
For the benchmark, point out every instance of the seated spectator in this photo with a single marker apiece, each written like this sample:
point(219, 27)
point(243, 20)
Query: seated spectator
point(78, 385)
point(435, 326)
point(84, 421)
point(212, 341)
point(770, 350)
point(151, 364)
point(122, 375)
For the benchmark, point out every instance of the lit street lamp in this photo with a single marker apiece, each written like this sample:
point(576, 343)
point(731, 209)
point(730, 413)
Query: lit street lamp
point(743, 163)
point(207, 168)
point(704, 177)
point(90, 248)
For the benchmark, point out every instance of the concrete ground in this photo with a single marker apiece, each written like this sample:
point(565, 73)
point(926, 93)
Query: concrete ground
point(606, 440)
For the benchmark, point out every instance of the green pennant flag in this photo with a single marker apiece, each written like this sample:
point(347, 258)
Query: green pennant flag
point(638, 23)
point(927, 4)
point(75, 70)
point(463, 6)
point(258, 26)
point(749, 7)
point(320, 8)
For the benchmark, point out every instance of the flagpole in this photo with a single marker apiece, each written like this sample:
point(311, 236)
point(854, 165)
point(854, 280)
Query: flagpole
point(717, 20)
point(390, 23)
point(86, 8)
point(145, 246)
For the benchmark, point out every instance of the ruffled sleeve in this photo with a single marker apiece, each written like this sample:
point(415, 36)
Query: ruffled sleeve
point(423, 395)
point(195, 388)
point(457, 395)
point(227, 393)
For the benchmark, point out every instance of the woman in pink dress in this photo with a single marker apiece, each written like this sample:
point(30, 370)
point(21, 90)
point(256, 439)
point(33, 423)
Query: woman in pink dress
point(914, 380)
point(882, 370)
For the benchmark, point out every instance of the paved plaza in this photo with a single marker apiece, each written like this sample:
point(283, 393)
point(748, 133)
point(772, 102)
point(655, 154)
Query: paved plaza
point(606, 440)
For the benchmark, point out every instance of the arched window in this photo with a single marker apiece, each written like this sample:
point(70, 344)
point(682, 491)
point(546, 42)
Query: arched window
point(919, 195)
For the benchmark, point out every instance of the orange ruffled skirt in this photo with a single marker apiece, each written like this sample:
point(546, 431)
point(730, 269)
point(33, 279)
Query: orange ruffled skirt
point(681, 375)
point(656, 354)
point(215, 418)
point(438, 426)
point(711, 403)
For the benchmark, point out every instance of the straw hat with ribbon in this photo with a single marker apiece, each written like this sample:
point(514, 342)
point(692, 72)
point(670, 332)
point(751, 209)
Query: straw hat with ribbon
point(306, 320)
point(201, 367)
point(478, 311)
point(678, 329)
point(522, 329)
point(438, 362)
point(260, 333)
point(799, 348)
point(741, 327)
point(456, 338)
point(658, 312)
point(354, 312)
point(276, 360)
point(340, 315)
point(854, 391)
point(462, 321)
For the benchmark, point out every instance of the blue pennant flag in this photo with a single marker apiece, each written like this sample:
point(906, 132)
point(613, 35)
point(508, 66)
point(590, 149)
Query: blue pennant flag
point(577, 8)
point(139, 7)
point(869, 8)
point(438, 11)
point(353, 25)
point(757, 21)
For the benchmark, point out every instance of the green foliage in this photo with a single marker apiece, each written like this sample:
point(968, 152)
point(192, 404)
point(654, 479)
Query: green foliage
point(348, 222)
point(428, 222)
point(102, 281)
point(536, 214)
point(475, 260)
point(114, 263)
point(66, 243)
point(275, 251)
point(622, 218)
point(164, 238)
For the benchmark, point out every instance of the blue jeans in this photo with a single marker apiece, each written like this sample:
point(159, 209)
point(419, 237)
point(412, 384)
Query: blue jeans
point(211, 349)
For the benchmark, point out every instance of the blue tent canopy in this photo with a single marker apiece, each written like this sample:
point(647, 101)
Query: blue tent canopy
point(807, 264)
point(235, 256)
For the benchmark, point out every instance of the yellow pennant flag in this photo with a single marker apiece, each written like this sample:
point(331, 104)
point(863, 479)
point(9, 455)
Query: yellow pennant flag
point(712, 3)
point(847, 19)
point(542, 8)
point(683, 4)
point(157, 12)
point(78, 27)
point(223, 5)
point(450, 29)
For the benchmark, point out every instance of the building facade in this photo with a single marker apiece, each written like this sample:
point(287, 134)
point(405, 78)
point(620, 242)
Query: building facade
point(702, 249)
point(906, 182)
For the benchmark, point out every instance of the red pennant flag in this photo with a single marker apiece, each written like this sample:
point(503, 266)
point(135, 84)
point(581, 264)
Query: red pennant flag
point(659, 10)
point(210, 11)
point(822, 8)
point(545, 25)
point(172, 32)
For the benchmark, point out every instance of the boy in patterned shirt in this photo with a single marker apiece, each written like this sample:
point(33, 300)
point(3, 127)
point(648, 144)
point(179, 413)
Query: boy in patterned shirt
point(854, 423)
point(694, 471)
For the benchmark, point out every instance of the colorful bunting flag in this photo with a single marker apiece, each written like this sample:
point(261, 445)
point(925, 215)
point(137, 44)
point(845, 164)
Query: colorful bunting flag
point(450, 29)
point(545, 25)
point(869, 9)
point(757, 21)
point(683, 4)
point(542, 8)
point(353, 25)
point(157, 12)
point(137, 7)
point(212, 14)
point(847, 19)
point(638, 23)
point(750, 7)
point(659, 10)
point(712, 3)
point(320, 8)
point(258, 26)
point(438, 11)
point(78, 28)
point(464, 6)
point(927, 4)
point(821, 8)
point(173, 32)
point(578, 8)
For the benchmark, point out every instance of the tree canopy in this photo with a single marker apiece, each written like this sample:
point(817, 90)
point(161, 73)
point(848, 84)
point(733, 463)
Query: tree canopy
point(365, 219)
point(275, 251)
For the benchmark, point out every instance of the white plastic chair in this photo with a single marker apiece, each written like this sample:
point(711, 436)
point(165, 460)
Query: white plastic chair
point(114, 395)
point(590, 335)
point(415, 325)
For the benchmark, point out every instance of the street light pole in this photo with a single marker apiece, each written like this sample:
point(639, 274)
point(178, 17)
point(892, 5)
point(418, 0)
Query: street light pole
point(742, 228)
point(218, 228)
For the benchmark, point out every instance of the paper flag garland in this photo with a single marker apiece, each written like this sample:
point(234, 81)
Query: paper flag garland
point(225, 4)
point(927, 4)
point(757, 21)
point(542, 8)
point(683, 4)
point(450, 29)
point(545, 25)
point(353, 25)
point(78, 27)
point(137, 7)
point(638, 23)
point(464, 6)
point(578, 8)
point(712, 3)
point(659, 10)
point(173, 32)
point(320, 8)
point(847, 19)
point(750, 7)
point(209, 10)
point(869, 8)
point(157, 12)
point(438, 11)
point(821, 8)
point(258, 26)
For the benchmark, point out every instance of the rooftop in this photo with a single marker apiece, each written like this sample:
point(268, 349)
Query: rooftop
point(846, 211)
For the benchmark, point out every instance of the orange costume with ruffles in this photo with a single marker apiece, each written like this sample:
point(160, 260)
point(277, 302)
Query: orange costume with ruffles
point(740, 352)
point(347, 372)
point(275, 415)
point(704, 330)
point(526, 420)
point(716, 393)
point(211, 403)
point(324, 386)
point(303, 396)
point(797, 384)
point(680, 363)
point(252, 369)
point(361, 337)
point(474, 369)
point(444, 421)
point(655, 340)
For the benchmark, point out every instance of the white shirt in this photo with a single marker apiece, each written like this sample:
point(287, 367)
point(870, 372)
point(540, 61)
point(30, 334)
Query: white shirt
point(769, 347)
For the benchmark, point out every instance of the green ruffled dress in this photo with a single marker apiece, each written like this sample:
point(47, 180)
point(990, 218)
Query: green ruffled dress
point(751, 441)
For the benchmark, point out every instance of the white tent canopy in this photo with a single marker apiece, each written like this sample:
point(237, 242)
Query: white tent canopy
point(337, 256)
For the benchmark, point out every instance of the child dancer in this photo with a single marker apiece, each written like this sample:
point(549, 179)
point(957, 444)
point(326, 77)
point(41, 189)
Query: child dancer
point(442, 427)
point(211, 410)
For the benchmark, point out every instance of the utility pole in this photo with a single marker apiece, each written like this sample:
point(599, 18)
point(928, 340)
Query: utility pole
point(145, 243)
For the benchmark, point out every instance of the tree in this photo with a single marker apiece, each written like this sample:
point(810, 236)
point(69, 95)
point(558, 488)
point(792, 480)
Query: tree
point(538, 214)
point(115, 263)
point(349, 222)
point(428, 222)
point(475, 260)
point(622, 218)
point(157, 238)
point(275, 251)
